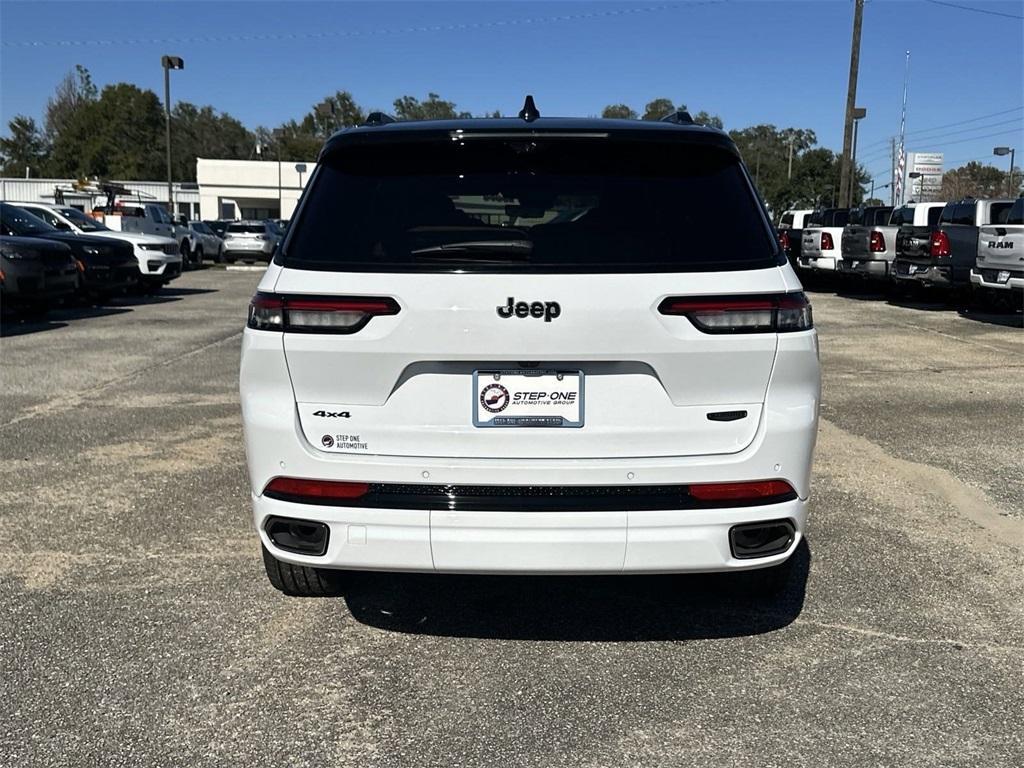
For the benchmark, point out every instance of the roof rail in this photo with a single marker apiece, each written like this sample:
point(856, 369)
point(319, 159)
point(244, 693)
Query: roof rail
point(378, 118)
point(682, 117)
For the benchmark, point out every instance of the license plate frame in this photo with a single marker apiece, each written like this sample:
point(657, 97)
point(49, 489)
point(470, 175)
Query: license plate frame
point(508, 382)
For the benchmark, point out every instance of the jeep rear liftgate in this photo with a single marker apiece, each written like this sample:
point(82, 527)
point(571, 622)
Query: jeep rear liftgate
point(556, 295)
point(404, 384)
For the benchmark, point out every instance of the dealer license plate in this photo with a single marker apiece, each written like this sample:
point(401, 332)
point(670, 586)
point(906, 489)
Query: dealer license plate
point(525, 398)
point(1003, 276)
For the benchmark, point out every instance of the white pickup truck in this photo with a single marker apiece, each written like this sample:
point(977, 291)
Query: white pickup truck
point(869, 242)
point(1000, 263)
point(147, 218)
point(822, 239)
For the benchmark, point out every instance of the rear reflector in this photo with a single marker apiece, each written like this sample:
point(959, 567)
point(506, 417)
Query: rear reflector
point(748, 491)
point(311, 491)
point(316, 314)
point(762, 313)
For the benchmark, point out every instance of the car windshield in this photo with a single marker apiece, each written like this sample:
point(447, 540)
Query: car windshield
point(83, 222)
point(18, 221)
point(532, 205)
point(1016, 215)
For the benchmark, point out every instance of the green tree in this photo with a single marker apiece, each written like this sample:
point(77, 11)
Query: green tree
point(25, 148)
point(706, 118)
point(203, 132)
point(332, 114)
point(72, 93)
point(119, 136)
point(658, 108)
point(434, 108)
point(973, 180)
point(621, 111)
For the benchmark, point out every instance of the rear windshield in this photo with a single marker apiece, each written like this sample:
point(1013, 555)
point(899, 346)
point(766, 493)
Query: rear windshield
point(251, 229)
point(1016, 215)
point(531, 205)
point(934, 214)
point(998, 212)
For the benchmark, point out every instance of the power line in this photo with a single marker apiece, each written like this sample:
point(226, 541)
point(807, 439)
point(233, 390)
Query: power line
point(872, 157)
point(286, 36)
point(950, 125)
point(975, 10)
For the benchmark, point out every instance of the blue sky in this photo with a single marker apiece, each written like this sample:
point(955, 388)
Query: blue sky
point(750, 62)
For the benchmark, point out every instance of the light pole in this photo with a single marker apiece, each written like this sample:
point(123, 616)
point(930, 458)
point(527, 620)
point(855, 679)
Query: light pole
point(859, 113)
point(169, 63)
point(1007, 151)
point(278, 135)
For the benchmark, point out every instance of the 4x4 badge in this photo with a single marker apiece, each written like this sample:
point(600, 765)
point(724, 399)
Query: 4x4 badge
point(549, 310)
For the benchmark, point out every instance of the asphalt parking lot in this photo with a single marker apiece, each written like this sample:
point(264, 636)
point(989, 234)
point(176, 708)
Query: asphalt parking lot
point(137, 627)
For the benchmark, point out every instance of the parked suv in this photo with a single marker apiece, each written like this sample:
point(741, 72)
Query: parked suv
point(250, 240)
point(525, 346)
point(106, 267)
point(35, 273)
point(157, 256)
point(1000, 263)
point(952, 248)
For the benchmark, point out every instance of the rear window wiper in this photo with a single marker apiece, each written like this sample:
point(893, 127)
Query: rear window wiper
point(510, 247)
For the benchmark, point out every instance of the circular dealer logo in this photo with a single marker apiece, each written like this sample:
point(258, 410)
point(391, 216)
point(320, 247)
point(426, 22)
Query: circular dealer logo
point(494, 398)
point(327, 441)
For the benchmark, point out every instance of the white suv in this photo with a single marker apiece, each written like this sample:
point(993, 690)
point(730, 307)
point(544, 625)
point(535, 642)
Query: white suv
point(528, 346)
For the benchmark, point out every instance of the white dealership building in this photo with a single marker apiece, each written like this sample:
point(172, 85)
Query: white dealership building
point(224, 189)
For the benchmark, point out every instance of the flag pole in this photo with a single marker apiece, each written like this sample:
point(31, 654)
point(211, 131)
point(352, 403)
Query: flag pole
point(901, 163)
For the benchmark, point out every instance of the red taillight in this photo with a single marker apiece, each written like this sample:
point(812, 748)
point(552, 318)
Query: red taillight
point(877, 242)
point(784, 239)
point(749, 491)
point(316, 314)
point(297, 489)
point(759, 313)
point(939, 245)
point(826, 242)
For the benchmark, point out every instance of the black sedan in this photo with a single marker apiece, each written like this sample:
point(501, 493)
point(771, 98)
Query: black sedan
point(106, 266)
point(35, 273)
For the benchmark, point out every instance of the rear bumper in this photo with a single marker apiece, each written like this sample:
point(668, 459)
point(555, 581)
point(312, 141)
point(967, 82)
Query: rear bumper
point(925, 274)
point(988, 278)
point(510, 541)
point(818, 263)
point(650, 541)
point(870, 268)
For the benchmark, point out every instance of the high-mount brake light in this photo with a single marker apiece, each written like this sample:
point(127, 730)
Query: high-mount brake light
point(826, 242)
point(316, 314)
point(877, 242)
point(758, 313)
point(939, 245)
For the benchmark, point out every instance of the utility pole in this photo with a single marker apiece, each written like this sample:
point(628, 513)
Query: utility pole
point(789, 173)
point(851, 96)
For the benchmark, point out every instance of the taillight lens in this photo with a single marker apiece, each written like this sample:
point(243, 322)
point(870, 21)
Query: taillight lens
point(877, 242)
point(296, 489)
point(784, 239)
point(746, 491)
point(767, 313)
point(316, 314)
point(826, 241)
point(939, 245)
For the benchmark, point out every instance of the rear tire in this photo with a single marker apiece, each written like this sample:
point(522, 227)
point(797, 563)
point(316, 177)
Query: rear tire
point(186, 254)
point(302, 580)
point(198, 256)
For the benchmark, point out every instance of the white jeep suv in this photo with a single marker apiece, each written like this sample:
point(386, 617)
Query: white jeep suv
point(528, 346)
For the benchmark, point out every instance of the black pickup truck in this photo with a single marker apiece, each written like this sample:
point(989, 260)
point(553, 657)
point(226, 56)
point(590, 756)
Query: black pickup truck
point(941, 253)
